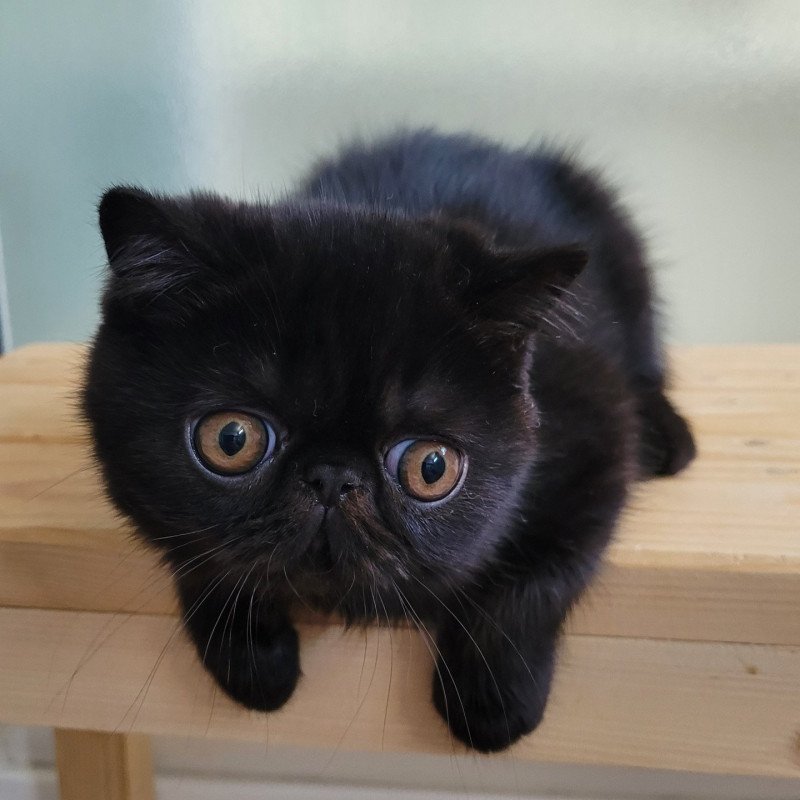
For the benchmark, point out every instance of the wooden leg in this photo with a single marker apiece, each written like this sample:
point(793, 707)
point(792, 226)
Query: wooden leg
point(104, 766)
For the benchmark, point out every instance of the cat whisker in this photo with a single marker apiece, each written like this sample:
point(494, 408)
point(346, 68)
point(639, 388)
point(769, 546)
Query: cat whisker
point(391, 672)
point(185, 533)
point(430, 643)
point(206, 556)
point(347, 591)
point(424, 637)
point(224, 606)
point(229, 623)
point(361, 701)
point(364, 659)
point(106, 632)
point(249, 638)
point(60, 481)
point(151, 676)
point(494, 624)
point(477, 647)
point(297, 594)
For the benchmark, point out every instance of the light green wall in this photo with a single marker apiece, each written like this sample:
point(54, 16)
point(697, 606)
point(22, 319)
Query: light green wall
point(91, 93)
point(693, 108)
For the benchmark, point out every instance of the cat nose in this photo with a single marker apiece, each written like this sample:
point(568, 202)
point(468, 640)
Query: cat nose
point(331, 482)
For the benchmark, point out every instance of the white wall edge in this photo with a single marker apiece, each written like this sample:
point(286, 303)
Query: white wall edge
point(28, 784)
point(41, 784)
point(5, 310)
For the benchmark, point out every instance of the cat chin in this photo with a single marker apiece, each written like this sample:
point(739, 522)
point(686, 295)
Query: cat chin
point(362, 606)
point(367, 595)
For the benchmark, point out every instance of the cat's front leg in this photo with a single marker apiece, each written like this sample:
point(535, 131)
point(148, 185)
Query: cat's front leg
point(666, 444)
point(247, 644)
point(495, 664)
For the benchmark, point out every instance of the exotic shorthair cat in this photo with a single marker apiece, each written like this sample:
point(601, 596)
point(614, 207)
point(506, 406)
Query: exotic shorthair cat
point(418, 388)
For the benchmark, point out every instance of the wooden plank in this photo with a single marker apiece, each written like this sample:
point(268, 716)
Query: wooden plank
point(744, 403)
point(655, 603)
point(104, 766)
point(672, 705)
point(711, 555)
point(699, 604)
point(85, 578)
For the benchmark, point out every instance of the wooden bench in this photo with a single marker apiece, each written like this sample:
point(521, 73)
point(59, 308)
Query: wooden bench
point(685, 655)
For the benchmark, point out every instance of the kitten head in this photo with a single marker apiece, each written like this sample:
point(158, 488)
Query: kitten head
point(329, 400)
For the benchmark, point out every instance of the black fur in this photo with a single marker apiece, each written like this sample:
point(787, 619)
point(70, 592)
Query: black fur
point(428, 286)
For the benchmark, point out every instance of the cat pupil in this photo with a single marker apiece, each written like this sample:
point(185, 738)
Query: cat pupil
point(433, 467)
point(232, 438)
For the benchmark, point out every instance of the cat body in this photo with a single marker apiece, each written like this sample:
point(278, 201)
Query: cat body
point(417, 389)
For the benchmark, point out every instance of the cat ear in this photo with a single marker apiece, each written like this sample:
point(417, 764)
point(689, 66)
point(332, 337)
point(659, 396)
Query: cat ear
point(142, 235)
point(512, 288)
point(128, 215)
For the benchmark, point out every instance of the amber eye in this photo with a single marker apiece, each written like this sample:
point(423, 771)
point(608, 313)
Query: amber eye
point(427, 470)
point(233, 442)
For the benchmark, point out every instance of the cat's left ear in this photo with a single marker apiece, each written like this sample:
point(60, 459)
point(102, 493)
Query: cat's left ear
point(510, 288)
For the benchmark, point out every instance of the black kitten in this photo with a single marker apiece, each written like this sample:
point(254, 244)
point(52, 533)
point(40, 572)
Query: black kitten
point(418, 388)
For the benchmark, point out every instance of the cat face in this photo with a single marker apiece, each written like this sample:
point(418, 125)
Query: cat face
point(328, 401)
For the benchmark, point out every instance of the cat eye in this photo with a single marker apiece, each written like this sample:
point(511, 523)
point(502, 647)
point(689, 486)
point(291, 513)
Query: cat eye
point(233, 442)
point(427, 470)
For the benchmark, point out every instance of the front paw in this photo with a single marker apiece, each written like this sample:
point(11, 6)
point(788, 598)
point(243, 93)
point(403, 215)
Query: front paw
point(484, 713)
point(666, 444)
point(258, 674)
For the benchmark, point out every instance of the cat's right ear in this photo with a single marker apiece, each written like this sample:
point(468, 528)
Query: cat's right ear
point(128, 217)
point(146, 250)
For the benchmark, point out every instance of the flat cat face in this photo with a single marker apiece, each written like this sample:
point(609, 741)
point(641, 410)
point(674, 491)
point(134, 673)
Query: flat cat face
point(328, 401)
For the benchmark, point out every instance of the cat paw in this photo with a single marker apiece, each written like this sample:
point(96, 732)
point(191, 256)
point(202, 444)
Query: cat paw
point(482, 718)
point(666, 443)
point(259, 675)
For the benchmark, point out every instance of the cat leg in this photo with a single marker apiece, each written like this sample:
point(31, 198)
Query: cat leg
point(495, 664)
point(248, 646)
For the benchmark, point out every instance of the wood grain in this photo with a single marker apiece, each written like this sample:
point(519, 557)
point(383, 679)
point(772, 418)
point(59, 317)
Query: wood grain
point(674, 705)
